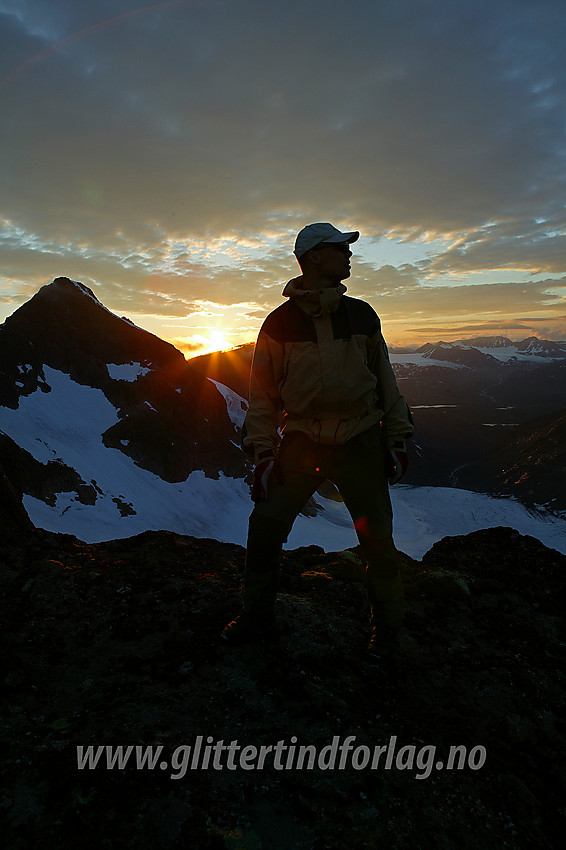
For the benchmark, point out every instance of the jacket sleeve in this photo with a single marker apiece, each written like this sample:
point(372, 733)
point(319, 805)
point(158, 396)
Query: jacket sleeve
point(260, 432)
point(397, 418)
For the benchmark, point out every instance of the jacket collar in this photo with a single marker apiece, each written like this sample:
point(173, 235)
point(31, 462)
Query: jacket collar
point(315, 302)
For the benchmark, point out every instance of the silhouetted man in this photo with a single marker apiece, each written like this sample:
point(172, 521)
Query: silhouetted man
point(321, 377)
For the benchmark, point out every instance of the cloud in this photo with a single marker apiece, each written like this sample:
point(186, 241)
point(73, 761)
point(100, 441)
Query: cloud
point(207, 118)
point(518, 245)
point(136, 138)
point(554, 331)
point(188, 347)
point(448, 309)
point(465, 298)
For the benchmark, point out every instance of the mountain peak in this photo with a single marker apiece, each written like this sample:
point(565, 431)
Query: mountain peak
point(451, 352)
point(68, 285)
point(64, 289)
point(485, 342)
point(121, 387)
point(540, 347)
point(65, 318)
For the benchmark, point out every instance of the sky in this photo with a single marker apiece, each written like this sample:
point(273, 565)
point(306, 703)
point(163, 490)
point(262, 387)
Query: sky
point(166, 155)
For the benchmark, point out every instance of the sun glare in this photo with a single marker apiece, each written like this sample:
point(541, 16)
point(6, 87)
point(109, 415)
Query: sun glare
point(217, 340)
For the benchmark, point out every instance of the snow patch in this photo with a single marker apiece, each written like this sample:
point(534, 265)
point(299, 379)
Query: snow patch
point(126, 371)
point(236, 406)
point(132, 324)
point(419, 359)
point(511, 352)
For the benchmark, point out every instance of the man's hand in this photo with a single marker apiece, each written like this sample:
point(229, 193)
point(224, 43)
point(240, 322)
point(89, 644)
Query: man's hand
point(262, 473)
point(396, 462)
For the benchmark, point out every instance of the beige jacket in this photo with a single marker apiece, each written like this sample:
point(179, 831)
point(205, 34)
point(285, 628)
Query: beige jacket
point(321, 366)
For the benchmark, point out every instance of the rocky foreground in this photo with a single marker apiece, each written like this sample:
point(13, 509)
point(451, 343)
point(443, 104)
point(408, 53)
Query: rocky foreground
point(116, 644)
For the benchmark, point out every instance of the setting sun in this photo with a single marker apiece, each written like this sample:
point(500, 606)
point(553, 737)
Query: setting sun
point(213, 339)
point(217, 340)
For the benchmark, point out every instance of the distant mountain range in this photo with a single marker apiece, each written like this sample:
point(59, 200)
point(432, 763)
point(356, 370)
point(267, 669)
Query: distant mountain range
point(531, 345)
point(106, 430)
point(483, 351)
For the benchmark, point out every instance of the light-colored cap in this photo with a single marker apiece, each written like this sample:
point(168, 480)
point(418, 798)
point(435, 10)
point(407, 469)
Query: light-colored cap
point(322, 231)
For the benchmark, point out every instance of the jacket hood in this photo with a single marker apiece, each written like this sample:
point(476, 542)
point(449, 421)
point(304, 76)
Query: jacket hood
point(315, 302)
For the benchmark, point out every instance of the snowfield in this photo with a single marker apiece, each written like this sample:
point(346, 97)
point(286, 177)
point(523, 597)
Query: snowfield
point(71, 419)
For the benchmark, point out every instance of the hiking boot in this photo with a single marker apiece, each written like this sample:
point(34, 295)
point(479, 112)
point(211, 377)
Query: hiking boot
point(383, 644)
point(247, 629)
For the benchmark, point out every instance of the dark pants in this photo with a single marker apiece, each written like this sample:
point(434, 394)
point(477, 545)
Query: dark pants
point(357, 469)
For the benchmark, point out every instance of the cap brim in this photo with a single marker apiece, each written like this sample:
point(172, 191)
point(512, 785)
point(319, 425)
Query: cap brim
point(312, 240)
point(343, 237)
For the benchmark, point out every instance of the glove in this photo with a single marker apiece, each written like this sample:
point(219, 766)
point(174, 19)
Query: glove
point(262, 473)
point(396, 462)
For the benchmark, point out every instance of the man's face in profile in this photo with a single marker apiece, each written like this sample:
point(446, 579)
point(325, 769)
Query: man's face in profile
point(333, 260)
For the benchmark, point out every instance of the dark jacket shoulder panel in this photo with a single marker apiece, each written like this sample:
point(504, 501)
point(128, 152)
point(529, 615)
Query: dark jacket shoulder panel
point(288, 323)
point(362, 318)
